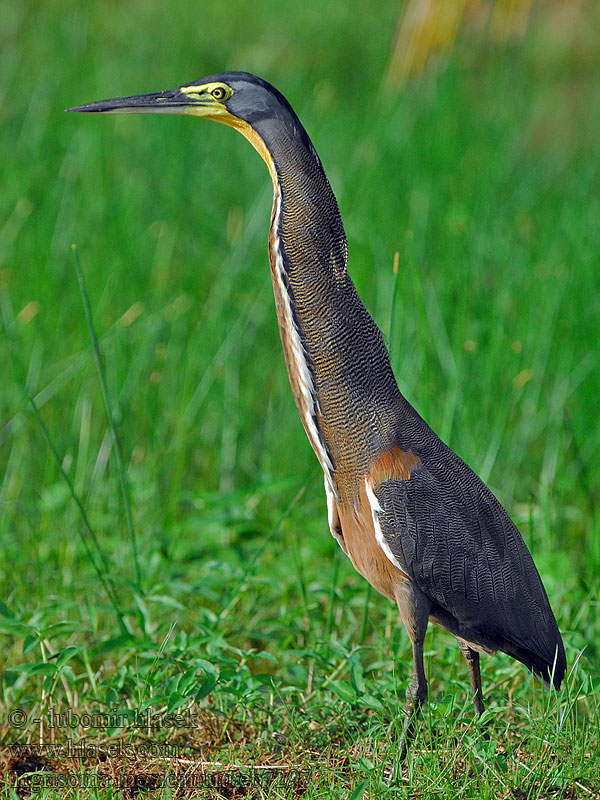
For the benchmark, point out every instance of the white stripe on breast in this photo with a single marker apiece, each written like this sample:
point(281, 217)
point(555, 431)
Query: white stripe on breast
point(333, 516)
point(376, 510)
point(308, 399)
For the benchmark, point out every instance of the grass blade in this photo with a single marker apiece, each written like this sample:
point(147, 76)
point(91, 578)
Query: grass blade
point(109, 412)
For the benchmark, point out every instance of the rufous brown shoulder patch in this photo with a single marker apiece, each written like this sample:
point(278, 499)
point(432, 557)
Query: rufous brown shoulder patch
point(394, 464)
point(365, 552)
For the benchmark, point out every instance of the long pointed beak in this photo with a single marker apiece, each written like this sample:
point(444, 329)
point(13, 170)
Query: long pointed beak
point(173, 101)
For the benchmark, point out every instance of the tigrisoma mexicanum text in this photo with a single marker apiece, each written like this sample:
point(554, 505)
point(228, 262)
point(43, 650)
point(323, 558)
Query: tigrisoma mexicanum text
point(413, 518)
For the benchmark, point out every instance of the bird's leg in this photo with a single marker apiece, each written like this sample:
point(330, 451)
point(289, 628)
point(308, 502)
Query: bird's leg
point(414, 609)
point(416, 696)
point(472, 659)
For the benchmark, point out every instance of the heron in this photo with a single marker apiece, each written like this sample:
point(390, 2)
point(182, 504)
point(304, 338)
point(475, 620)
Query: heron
point(414, 519)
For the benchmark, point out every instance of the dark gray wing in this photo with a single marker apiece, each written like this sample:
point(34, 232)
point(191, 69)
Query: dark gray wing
point(463, 551)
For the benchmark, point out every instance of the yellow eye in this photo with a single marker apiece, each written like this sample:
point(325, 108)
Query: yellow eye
point(218, 93)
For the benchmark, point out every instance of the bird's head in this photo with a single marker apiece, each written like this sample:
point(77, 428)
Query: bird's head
point(239, 99)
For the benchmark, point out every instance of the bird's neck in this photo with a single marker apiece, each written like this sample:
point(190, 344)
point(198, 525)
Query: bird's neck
point(337, 363)
point(310, 224)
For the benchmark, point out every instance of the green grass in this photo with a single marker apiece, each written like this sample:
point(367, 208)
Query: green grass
point(246, 618)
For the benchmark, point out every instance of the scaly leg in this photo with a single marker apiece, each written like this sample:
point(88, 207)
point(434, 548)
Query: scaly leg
point(414, 609)
point(472, 659)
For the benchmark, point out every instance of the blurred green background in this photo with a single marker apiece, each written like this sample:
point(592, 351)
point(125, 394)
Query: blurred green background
point(467, 146)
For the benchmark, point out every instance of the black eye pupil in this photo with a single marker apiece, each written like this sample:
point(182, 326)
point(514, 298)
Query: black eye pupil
point(218, 94)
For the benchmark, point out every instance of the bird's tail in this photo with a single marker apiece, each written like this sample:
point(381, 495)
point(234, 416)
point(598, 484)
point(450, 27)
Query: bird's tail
point(549, 670)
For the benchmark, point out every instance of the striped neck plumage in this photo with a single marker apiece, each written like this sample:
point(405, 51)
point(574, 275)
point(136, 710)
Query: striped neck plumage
point(337, 362)
point(300, 256)
point(310, 225)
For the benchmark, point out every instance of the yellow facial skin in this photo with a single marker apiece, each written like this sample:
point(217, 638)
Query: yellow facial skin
point(211, 96)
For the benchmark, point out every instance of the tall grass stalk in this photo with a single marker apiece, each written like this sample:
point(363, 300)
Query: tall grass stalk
point(110, 415)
